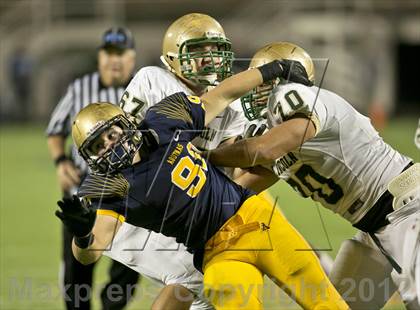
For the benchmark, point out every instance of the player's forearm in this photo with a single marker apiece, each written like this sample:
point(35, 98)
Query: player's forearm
point(285, 137)
point(244, 153)
point(265, 149)
point(104, 231)
point(229, 90)
point(238, 85)
point(173, 297)
point(258, 179)
point(56, 146)
point(89, 255)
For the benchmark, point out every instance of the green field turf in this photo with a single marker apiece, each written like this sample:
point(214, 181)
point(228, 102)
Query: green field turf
point(30, 233)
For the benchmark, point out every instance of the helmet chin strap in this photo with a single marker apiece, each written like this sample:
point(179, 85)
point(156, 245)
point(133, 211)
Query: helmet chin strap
point(211, 79)
point(166, 64)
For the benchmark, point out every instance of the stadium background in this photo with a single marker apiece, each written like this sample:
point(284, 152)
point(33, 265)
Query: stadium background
point(372, 49)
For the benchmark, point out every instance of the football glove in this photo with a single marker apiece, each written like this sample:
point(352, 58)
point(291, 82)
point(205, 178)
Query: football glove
point(255, 130)
point(289, 70)
point(78, 218)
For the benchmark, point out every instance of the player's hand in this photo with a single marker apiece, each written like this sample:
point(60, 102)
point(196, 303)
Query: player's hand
point(417, 137)
point(289, 70)
point(78, 218)
point(68, 175)
point(253, 130)
point(294, 71)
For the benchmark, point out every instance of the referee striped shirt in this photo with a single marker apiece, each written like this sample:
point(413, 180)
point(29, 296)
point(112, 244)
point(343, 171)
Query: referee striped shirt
point(80, 93)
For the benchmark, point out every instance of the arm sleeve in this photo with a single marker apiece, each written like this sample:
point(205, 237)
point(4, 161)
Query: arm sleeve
point(60, 121)
point(295, 100)
point(178, 112)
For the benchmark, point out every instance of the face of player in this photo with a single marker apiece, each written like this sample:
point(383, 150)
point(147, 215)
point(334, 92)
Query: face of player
point(116, 66)
point(208, 61)
point(255, 103)
point(204, 67)
point(106, 141)
point(113, 150)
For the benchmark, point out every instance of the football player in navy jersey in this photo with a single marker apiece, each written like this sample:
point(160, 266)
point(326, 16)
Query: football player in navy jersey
point(152, 177)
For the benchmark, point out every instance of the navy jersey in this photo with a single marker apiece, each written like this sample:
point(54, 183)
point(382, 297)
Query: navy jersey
point(174, 191)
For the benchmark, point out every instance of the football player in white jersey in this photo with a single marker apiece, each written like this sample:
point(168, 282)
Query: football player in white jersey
point(326, 150)
point(198, 42)
point(197, 55)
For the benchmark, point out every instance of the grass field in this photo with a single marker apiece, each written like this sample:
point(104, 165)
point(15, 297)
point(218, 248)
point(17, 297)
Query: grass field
point(30, 233)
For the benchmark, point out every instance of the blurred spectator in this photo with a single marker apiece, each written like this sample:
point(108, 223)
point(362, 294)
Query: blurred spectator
point(20, 72)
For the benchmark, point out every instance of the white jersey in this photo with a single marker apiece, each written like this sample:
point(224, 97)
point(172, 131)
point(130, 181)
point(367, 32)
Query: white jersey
point(151, 84)
point(346, 166)
point(158, 258)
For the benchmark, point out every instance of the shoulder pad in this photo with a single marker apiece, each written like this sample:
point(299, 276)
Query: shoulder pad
point(176, 106)
point(152, 73)
point(101, 186)
point(289, 100)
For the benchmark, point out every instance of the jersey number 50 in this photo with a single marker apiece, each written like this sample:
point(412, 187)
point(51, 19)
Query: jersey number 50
point(187, 171)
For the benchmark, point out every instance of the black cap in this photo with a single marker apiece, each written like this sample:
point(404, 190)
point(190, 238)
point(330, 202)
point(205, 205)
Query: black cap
point(117, 37)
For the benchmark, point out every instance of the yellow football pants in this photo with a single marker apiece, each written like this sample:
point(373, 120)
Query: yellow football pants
point(259, 240)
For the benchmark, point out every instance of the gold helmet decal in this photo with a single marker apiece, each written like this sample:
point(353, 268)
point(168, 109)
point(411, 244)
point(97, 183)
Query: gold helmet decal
point(255, 102)
point(93, 120)
point(179, 49)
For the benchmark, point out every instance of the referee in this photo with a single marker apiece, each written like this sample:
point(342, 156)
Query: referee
point(116, 61)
